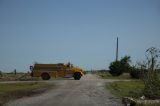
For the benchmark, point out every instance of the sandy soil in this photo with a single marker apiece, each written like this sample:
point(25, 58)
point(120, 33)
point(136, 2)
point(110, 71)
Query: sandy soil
point(89, 91)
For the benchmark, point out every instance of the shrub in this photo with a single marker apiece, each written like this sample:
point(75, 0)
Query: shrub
point(137, 73)
point(152, 86)
point(118, 67)
point(115, 68)
point(151, 80)
point(1, 74)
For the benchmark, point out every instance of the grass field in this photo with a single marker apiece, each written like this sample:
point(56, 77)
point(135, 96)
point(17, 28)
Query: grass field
point(107, 75)
point(11, 91)
point(126, 88)
point(132, 88)
point(9, 87)
point(18, 77)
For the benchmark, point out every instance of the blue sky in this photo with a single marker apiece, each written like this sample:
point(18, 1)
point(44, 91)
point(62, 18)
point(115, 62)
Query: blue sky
point(80, 31)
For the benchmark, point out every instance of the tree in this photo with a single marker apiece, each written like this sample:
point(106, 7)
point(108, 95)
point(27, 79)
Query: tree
point(118, 67)
point(139, 70)
point(115, 68)
point(152, 81)
point(125, 63)
point(152, 55)
point(1, 73)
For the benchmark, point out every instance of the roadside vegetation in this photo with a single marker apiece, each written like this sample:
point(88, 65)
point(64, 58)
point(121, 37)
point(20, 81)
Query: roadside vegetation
point(12, 91)
point(126, 88)
point(18, 76)
point(146, 73)
point(107, 75)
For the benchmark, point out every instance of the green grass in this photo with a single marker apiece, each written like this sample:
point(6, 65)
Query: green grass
point(126, 88)
point(8, 87)
point(13, 77)
point(107, 75)
point(11, 91)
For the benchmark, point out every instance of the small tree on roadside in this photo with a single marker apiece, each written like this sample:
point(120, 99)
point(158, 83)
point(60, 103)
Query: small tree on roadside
point(125, 63)
point(118, 67)
point(1, 74)
point(115, 68)
point(135, 73)
point(139, 70)
point(151, 80)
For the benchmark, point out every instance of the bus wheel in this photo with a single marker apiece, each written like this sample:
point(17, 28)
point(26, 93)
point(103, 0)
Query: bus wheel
point(77, 76)
point(45, 76)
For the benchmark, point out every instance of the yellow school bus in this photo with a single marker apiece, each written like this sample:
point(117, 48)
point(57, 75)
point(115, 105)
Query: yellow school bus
point(46, 71)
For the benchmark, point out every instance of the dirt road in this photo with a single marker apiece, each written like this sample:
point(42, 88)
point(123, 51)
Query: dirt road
point(89, 91)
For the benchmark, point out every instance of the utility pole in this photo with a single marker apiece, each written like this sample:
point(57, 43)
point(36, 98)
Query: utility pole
point(117, 50)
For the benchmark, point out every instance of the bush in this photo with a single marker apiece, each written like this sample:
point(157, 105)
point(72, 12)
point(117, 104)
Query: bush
point(115, 68)
point(152, 86)
point(151, 80)
point(118, 67)
point(137, 73)
point(1, 74)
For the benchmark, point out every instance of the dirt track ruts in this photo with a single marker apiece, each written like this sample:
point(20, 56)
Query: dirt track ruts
point(89, 91)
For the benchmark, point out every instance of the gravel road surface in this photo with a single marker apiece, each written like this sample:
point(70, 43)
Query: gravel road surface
point(89, 91)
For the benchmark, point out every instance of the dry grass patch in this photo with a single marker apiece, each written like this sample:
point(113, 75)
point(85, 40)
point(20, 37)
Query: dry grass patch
point(12, 91)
